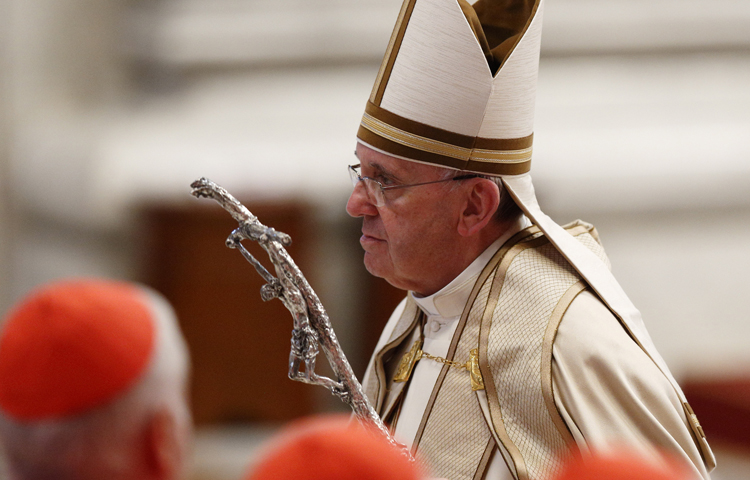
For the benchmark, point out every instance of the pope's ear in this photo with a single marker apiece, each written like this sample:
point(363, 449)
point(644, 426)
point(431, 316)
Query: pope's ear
point(482, 200)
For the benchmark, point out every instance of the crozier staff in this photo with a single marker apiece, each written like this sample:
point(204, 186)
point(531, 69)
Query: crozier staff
point(515, 347)
point(93, 377)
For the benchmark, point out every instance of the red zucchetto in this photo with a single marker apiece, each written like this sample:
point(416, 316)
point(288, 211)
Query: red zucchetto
point(73, 346)
point(625, 465)
point(331, 447)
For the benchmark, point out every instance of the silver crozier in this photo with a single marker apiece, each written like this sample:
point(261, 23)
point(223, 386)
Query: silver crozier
point(312, 327)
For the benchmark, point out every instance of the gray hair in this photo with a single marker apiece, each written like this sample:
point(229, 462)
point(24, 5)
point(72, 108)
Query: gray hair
point(104, 440)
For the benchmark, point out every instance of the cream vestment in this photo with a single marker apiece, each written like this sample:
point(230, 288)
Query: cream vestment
point(560, 372)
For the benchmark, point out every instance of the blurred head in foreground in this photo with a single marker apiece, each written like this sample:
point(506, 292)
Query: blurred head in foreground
point(93, 376)
point(625, 465)
point(331, 447)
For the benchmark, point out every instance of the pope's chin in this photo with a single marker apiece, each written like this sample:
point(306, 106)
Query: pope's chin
point(376, 265)
point(377, 260)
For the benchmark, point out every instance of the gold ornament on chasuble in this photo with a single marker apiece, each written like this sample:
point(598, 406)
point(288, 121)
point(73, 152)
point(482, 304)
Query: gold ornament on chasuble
point(415, 354)
point(407, 363)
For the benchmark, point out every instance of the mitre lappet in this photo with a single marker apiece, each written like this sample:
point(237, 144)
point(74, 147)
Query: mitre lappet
point(457, 89)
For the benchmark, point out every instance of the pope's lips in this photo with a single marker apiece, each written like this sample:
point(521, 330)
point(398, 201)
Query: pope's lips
point(365, 240)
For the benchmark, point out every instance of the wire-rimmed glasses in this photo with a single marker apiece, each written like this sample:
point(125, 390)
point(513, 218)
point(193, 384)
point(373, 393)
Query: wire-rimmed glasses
point(376, 191)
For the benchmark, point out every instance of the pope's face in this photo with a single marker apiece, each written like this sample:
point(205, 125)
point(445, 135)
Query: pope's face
point(410, 241)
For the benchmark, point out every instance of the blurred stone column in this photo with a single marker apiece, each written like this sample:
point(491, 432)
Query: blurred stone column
point(67, 81)
point(5, 134)
point(5, 206)
point(64, 53)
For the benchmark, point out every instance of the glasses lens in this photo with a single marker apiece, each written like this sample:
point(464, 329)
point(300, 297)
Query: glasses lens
point(353, 175)
point(374, 192)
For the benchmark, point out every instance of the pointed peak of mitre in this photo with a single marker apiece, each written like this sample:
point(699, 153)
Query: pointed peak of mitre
point(457, 86)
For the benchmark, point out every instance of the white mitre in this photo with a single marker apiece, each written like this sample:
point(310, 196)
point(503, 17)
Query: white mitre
point(457, 89)
point(437, 100)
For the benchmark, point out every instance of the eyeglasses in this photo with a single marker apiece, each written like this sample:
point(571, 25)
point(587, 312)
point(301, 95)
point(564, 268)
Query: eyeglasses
point(376, 191)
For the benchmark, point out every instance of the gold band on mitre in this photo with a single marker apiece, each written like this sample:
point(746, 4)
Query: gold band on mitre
point(406, 138)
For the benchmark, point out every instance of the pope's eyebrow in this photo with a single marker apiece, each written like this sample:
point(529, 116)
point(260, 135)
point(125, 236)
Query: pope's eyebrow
point(382, 171)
